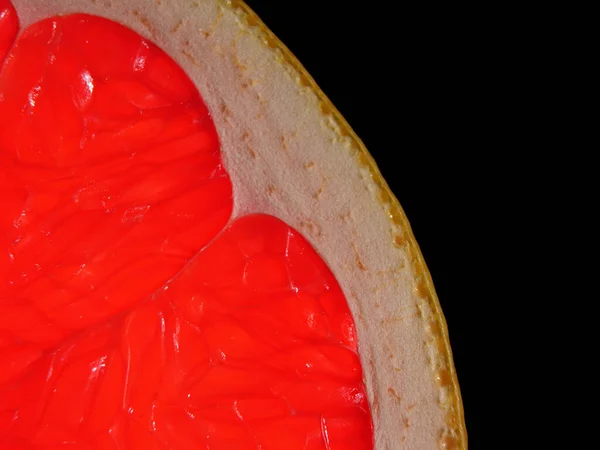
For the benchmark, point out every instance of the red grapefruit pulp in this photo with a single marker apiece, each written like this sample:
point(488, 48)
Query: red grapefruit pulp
point(132, 314)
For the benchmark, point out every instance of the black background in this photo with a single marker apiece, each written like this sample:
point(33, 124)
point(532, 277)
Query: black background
point(408, 82)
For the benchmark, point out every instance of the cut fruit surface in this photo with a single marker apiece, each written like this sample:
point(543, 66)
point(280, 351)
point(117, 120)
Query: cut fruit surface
point(112, 188)
point(9, 25)
point(111, 176)
point(211, 360)
point(129, 317)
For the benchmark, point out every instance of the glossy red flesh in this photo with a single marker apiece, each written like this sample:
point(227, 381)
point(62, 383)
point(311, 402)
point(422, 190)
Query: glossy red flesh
point(9, 25)
point(119, 326)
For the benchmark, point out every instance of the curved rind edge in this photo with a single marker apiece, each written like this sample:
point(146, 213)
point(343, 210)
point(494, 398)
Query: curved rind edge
point(452, 432)
point(455, 436)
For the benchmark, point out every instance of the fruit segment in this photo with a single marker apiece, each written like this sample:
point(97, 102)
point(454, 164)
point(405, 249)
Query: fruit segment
point(9, 25)
point(111, 178)
point(130, 315)
point(207, 361)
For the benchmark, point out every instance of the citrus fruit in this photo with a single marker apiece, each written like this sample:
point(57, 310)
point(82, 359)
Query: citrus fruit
point(197, 251)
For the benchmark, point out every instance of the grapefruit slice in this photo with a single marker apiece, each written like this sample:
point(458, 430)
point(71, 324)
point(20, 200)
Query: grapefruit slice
point(288, 154)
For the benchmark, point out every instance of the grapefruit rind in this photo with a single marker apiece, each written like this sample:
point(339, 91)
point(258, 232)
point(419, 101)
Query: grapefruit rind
point(291, 154)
